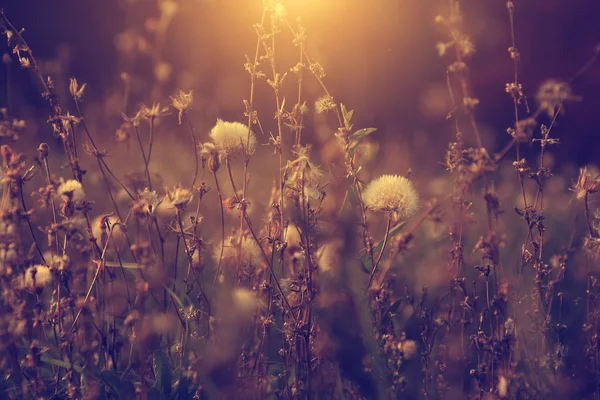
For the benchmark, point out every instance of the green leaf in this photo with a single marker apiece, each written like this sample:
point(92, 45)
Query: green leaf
point(363, 266)
point(362, 133)
point(358, 137)
point(60, 363)
point(163, 373)
point(121, 390)
point(347, 115)
point(175, 297)
point(125, 265)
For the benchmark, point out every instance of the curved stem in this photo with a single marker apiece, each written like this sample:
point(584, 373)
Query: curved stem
point(385, 240)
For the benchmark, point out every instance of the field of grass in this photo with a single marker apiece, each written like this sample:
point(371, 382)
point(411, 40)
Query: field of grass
point(154, 247)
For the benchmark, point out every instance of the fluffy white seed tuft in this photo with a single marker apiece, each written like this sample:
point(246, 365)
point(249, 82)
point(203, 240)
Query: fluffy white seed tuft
point(233, 138)
point(392, 193)
point(72, 190)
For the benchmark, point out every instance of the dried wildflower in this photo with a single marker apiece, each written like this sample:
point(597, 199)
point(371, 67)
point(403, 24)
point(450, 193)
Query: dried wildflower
point(301, 171)
point(37, 276)
point(25, 62)
point(182, 103)
point(250, 253)
point(75, 90)
point(586, 184)
point(233, 138)
point(552, 94)
point(156, 111)
point(68, 118)
point(146, 203)
point(71, 190)
point(392, 193)
point(137, 118)
point(210, 155)
point(180, 197)
point(324, 104)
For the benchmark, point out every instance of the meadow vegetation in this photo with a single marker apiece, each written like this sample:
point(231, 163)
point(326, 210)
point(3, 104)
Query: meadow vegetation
point(281, 263)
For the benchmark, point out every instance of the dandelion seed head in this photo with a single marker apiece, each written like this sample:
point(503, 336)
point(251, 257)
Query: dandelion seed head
point(233, 138)
point(72, 190)
point(392, 193)
point(37, 276)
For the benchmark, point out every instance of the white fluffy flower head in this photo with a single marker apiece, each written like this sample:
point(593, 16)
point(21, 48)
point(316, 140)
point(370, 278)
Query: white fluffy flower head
point(71, 189)
point(37, 276)
point(233, 138)
point(392, 193)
